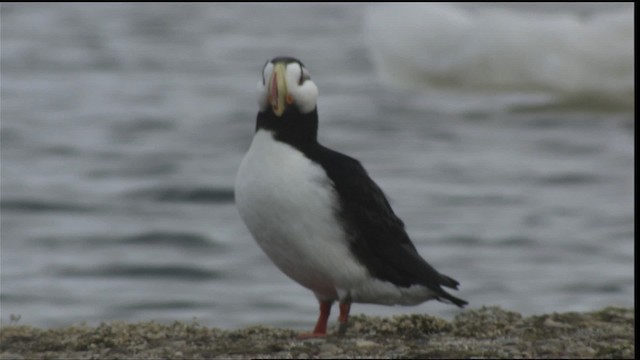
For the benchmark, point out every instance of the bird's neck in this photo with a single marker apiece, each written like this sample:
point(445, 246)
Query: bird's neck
point(295, 129)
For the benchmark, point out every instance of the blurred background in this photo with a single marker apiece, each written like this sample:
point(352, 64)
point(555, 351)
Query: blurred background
point(503, 135)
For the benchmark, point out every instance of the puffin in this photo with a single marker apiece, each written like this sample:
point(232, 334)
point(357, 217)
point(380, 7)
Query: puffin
point(317, 214)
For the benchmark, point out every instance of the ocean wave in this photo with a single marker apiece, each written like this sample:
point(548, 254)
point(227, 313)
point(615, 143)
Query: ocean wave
point(563, 57)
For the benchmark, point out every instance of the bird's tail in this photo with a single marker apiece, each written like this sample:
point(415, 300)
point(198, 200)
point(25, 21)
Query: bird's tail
point(452, 284)
point(452, 299)
point(448, 282)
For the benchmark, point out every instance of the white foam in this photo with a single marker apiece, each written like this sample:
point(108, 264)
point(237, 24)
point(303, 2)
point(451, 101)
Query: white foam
point(498, 50)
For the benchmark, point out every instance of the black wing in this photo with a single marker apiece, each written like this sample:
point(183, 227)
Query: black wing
point(379, 239)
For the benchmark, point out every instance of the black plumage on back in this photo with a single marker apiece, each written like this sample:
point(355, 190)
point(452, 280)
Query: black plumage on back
point(377, 236)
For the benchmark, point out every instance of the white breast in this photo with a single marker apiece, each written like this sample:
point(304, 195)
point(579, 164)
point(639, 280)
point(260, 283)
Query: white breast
point(288, 204)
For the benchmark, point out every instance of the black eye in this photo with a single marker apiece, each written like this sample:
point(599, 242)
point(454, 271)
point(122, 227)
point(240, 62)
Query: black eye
point(304, 76)
point(264, 82)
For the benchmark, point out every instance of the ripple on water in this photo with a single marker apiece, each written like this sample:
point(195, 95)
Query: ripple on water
point(597, 287)
point(164, 305)
point(142, 271)
point(32, 205)
point(182, 240)
point(205, 194)
point(569, 179)
point(476, 241)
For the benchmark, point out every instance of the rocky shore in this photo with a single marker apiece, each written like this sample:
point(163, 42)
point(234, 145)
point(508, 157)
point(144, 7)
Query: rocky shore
point(488, 332)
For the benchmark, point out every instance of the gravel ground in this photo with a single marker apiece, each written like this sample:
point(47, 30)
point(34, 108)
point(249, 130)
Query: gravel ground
point(488, 332)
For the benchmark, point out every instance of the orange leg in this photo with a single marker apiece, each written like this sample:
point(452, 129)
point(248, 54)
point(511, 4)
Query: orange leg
point(343, 319)
point(321, 325)
point(325, 311)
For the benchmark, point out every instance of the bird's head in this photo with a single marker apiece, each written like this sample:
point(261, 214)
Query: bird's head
point(286, 87)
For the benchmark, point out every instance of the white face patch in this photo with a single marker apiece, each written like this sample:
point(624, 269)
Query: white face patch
point(299, 86)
